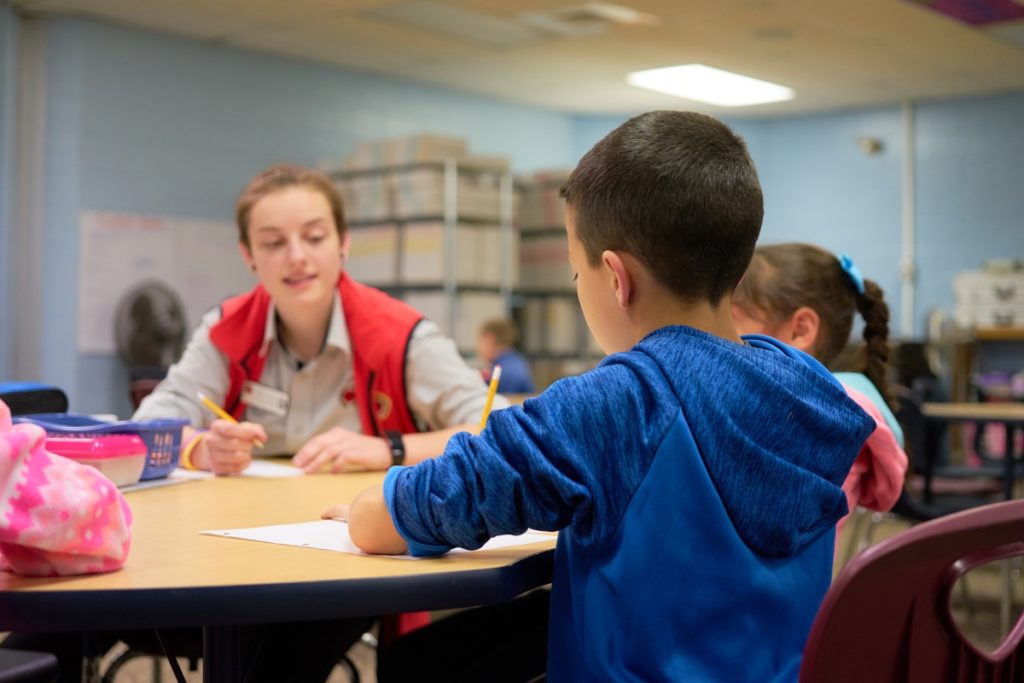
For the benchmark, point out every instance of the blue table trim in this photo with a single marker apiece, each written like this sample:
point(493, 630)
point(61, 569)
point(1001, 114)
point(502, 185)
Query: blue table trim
point(262, 603)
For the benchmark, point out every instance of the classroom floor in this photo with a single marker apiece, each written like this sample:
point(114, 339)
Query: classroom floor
point(978, 614)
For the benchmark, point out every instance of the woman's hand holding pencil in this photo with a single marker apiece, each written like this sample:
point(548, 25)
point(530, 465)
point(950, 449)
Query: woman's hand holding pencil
point(226, 448)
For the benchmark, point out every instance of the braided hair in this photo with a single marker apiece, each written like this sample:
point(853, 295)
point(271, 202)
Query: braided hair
point(782, 278)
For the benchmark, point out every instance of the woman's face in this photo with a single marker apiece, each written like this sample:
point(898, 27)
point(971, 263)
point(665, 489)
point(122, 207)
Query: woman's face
point(294, 247)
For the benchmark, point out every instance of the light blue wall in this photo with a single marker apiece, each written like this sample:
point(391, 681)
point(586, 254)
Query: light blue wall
point(819, 187)
point(141, 122)
point(970, 188)
point(8, 27)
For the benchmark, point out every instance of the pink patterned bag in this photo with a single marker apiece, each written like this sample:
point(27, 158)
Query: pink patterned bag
point(57, 517)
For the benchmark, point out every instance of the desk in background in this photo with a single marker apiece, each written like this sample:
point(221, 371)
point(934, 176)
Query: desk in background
point(1009, 414)
point(1012, 416)
point(176, 577)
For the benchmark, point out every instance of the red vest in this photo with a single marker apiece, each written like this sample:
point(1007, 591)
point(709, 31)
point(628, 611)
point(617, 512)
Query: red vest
point(379, 329)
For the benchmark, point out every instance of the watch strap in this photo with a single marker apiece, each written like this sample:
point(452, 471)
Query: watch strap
point(394, 439)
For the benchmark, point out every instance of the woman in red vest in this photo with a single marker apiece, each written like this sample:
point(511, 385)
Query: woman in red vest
point(311, 362)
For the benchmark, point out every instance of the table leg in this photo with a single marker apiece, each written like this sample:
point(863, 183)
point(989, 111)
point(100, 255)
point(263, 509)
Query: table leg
point(222, 654)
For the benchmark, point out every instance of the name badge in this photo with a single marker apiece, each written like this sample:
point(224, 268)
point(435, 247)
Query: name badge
point(261, 396)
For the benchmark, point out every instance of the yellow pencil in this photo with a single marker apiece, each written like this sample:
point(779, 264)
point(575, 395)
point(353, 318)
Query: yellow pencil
point(222, 414)
point(491, 391)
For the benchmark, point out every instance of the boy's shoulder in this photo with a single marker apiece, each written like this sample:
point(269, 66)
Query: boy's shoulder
point(624, 388)
point(676, 367)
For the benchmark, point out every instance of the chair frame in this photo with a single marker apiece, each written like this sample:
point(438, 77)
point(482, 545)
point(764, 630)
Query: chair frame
point(887, 617)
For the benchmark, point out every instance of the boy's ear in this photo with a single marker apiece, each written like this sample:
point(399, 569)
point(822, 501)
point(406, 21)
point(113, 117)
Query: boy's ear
point(803, 329)
point(621, 280)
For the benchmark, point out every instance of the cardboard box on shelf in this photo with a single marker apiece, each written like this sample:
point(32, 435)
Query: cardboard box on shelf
point(478, 255)
point(539, 206)
point(421, 192)
point(373, 254)
point(563, 326)
point(969, 316)
point(406, 150)
point(544, 263)
point(485, 163)
point(367, 198)
point(470, 311)
point(423, 254)
point(993, 289)
point(533, 321)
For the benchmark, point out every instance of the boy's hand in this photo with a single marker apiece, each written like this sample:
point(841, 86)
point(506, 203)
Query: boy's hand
point(338, 512)
point(227, 446)
point(341, 447)
point(370, 525)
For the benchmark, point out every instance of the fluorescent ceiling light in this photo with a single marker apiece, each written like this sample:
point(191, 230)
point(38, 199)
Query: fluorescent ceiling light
point(714, 86)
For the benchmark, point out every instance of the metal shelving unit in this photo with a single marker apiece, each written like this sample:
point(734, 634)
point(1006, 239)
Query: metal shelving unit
point(554, 359)
point(450, 218)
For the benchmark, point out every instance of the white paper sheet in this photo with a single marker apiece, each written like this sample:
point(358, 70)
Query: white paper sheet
point(270, 469)
point(329, 534)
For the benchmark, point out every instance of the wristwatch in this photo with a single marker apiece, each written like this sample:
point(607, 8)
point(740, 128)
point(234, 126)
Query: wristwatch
point(397, 447)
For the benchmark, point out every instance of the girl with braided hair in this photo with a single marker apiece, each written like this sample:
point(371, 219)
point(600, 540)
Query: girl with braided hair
point(807, 296)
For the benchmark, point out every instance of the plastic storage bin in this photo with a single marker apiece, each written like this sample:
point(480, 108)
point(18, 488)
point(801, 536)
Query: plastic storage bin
point(162, 437)
point(120, 457)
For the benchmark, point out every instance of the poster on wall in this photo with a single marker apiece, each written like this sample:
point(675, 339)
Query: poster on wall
point(197, 260)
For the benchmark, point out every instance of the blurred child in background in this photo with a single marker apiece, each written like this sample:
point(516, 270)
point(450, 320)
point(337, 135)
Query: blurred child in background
point(495, 345)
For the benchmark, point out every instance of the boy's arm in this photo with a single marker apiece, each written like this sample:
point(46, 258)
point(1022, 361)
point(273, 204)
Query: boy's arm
point(370, 525)
point(571, 456)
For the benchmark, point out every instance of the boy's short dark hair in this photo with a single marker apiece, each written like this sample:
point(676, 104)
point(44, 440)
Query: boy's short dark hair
point(677, 190)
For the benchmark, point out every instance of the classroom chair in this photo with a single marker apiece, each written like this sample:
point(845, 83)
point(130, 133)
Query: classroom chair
point(887, 617)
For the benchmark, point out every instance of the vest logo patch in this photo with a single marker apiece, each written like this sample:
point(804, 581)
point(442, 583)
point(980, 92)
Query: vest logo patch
point(382, 404)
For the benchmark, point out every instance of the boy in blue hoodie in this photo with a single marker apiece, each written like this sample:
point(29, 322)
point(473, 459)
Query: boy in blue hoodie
point(694, 475)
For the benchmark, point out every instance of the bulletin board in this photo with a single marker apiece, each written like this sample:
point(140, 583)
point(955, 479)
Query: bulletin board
point(197, 259)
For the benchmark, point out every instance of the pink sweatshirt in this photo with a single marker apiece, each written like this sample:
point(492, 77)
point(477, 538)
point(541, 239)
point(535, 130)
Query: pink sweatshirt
point(57, 517)
point(876, 478)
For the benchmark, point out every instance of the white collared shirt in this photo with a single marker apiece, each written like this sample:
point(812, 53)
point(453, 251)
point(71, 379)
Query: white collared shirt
point(442, 389)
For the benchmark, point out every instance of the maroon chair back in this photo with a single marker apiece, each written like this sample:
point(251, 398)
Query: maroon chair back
point(887, 618)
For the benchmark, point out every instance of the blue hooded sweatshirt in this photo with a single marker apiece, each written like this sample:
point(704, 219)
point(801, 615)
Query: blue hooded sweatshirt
point(696, 484)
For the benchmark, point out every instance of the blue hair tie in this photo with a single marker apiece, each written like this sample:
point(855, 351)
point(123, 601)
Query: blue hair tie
point(852, 272)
